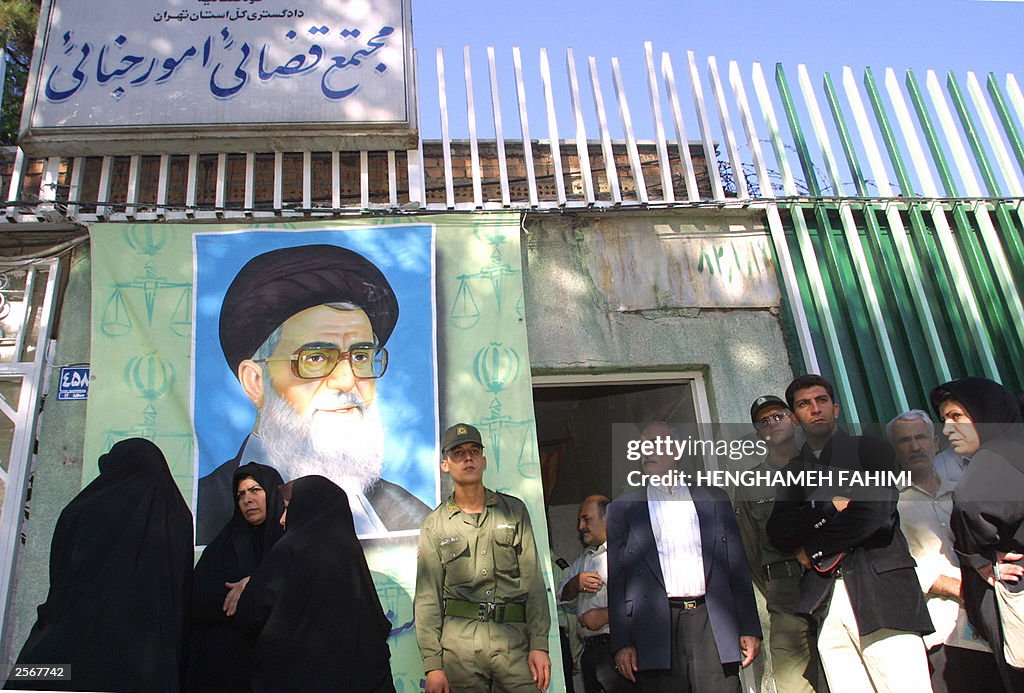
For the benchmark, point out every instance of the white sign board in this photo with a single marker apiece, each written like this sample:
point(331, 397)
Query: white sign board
point(219, 70)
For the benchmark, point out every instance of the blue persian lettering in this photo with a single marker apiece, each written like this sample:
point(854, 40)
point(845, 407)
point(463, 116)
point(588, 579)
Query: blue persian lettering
point(226, 59)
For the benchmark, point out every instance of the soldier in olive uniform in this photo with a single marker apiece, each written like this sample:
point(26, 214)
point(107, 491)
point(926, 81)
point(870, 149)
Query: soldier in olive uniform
point(792, 638)
point(482, 617)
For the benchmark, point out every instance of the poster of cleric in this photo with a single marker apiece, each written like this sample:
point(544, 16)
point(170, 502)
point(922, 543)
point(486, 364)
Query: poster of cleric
point(314, 352)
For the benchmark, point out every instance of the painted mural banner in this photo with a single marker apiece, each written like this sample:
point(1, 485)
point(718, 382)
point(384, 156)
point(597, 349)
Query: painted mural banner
point(207, 65)
point(213, 341)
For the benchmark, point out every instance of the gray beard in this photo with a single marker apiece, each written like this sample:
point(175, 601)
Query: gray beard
point(349, 452)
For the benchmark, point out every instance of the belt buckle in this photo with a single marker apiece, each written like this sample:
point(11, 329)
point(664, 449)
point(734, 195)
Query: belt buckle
point(485, 611)
point(689, 604)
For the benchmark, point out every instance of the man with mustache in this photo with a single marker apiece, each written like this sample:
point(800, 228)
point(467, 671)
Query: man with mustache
point(304, 330)
point(957, 661)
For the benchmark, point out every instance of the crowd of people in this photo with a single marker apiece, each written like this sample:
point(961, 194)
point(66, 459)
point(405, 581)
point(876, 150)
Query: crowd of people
point(875, 588)
point(880, 589)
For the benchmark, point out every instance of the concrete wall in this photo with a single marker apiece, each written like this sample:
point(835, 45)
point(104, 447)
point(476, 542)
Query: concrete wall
point(625, 291)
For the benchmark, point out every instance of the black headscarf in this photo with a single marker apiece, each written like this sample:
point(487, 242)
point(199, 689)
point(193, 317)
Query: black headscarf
point(120, 567)
point(995, 412)
point(988, 502)
point(220, 650)
point(321, 626)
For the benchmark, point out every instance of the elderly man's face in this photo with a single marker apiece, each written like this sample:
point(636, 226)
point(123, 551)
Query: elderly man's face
point(322, 326)
point(915, 444)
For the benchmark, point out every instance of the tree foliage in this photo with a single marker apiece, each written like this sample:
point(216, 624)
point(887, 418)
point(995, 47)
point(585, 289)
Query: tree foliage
point(18, 20)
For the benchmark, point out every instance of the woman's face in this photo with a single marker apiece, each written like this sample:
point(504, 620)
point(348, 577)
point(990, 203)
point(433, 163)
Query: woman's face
point(252, 501)
point(958, 427)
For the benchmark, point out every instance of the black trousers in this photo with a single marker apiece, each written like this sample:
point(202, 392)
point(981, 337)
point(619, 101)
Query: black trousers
point(598, 665)
point(959, 670)
point(696, 667)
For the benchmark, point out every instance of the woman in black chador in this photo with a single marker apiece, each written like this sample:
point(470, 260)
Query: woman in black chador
point(320, 623)
point(220, 652)
point(983, 423)
point(120, 568)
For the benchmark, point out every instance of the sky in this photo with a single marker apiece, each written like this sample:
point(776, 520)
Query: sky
point(979, 35)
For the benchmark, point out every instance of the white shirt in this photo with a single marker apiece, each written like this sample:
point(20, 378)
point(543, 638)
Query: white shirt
point(950, 465)
point(924, 519)
point(592, 560)
point(677, 534)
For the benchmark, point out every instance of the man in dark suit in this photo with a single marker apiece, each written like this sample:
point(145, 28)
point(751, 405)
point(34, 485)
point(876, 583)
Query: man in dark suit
point(680, 598)
point(859, 578)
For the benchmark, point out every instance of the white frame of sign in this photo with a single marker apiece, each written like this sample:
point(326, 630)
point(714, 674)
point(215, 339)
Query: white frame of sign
point(173, 76)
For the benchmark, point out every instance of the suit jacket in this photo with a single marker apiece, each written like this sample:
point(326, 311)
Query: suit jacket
point(638, 604)
point(397, 508)
point(877, 567)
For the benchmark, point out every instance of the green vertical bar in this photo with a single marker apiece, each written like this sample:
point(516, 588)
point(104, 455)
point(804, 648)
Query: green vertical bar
point(844, 378)
point(789, 106)
point(998, 325)
point(845, 140)
point(984, 165)
point(1011, 235)
point(898, 303)
point(895, 156)
point(1009, 127)
point(950, 310)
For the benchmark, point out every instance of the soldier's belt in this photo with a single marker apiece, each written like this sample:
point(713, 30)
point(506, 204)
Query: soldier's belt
point(485, 611)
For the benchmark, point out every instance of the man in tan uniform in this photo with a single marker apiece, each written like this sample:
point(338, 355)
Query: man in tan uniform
point(482, 617)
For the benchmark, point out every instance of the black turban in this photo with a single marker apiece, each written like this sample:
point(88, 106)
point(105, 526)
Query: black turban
point(274, 286)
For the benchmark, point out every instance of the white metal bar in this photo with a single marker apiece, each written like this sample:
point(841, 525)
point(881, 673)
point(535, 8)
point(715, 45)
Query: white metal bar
point(19, 337)
point(307, 179)
point(250, 181)
point(710, 156)
point(220, 195)
point(132, 194)
point(956, 145)
point(336, 179)
point(549, 102)
point(75, 185)
point(730, 139)
point(871, 150)
point(853, 241)
point(524, 123)
point(278, 180)
point(1014, 93)
point(611, 170)
point(820, 132)
point(21, 444)
point(364, 179)
point(749, 129)
point(667, 189)
point(682, 142)
point(392, 179)
point(48, 182)
point(582, 150)
point(775, 225)
point(17, 176)
point(414, 163)
point(190, 181)
point(627, 126)
point(474, 147)
point(990, 237)
point(988, 122)
point(774, 134)
point(103, 196)
point(950, 251)
point(446, 142)
point(914, 148)
point(922, 304)
point(499, 133)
